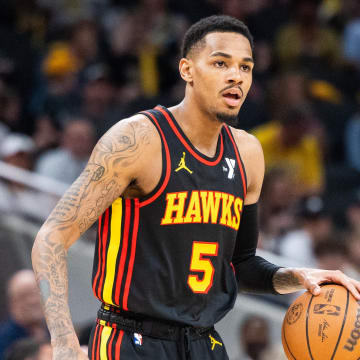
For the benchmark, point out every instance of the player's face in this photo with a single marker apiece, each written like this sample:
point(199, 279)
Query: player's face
point(222, 74)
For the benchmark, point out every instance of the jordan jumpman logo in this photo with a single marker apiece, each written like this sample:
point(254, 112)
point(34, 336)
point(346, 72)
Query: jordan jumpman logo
point(182, 165)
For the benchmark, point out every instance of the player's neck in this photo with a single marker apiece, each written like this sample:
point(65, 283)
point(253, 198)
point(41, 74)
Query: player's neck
point(200, 130)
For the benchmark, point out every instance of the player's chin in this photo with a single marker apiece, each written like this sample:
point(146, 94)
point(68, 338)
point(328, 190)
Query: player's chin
point(229, 118)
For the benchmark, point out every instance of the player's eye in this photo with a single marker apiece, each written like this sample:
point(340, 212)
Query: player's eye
point(220, 63)
point(245, 68)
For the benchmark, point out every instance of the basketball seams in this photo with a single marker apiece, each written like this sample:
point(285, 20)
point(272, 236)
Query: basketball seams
point(307, 327)
point(326, 322)
point(287, 346)
point(343, 324)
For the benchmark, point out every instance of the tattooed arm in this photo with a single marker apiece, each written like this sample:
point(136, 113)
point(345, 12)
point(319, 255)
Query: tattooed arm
point(116, 161)
point(288, 280)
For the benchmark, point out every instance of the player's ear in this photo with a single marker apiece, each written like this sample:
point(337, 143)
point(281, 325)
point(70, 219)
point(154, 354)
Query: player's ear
point(185, 69)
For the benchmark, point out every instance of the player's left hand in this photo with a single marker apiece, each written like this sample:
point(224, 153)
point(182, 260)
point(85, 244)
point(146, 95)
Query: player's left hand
point(313, 278)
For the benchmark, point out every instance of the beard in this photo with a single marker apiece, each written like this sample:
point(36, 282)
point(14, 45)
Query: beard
point(228, 119)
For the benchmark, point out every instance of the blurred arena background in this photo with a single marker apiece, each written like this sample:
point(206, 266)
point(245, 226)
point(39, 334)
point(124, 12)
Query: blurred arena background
point(70, 69)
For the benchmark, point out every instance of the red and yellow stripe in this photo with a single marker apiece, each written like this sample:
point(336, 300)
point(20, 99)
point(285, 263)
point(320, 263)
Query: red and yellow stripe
point(106, 342)
point(115, 252)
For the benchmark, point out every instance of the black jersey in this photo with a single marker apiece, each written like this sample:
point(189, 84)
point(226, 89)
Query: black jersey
point(168, 254)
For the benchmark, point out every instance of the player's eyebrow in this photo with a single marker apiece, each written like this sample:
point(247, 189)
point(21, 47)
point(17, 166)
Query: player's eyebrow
point(220, 53)
point(228, 56)
point(248, 59)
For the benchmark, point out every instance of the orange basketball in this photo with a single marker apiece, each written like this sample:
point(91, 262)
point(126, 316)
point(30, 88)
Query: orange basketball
point(323, 327)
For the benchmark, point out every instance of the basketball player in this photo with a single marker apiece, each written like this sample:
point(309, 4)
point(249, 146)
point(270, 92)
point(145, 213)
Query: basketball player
point(169, 187)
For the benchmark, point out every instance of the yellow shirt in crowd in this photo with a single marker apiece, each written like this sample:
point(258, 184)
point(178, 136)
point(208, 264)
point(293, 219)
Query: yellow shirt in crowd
point(303, 160)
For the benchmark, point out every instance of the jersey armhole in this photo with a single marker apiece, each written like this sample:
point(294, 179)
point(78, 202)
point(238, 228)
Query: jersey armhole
point(166, 161)
point(239, 159)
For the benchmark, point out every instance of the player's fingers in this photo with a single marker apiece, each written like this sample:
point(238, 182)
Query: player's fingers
point(312, 286)
point(350, 284)
point(351, 287)
point(356, 285)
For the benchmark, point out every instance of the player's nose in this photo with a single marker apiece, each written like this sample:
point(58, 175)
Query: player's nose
point(234, 75)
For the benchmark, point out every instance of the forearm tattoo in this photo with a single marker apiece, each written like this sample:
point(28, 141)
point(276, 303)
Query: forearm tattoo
point(49, 261)
point(95, 189)
point(285, 280)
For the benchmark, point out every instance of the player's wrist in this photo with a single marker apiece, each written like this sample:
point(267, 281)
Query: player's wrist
point(67, 340)
point(68, 353)
point(288, 280)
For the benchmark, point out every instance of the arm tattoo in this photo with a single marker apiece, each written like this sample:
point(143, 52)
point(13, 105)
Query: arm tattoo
point(67, 208)
point(49, 262)
point(285, 280)
point(94, 190)
point(122, 149)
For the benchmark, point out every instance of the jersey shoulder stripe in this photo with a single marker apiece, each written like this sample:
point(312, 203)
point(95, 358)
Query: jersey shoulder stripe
point(165, 172)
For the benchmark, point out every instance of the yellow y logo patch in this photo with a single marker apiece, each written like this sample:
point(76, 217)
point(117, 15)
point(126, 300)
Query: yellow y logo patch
point(214, 342)
point(182, 165)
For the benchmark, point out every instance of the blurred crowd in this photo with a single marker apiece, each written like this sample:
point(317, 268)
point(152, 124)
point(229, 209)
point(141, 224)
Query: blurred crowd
point(69, 70)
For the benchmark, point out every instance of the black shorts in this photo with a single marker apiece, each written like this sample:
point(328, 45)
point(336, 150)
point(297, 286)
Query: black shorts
point(114, 341)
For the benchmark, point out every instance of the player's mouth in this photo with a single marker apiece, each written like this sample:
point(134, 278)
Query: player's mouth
point(232, 96)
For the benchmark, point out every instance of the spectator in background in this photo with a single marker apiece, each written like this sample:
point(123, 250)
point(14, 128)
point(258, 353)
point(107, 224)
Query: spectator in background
point(29, 349)
point(159, 32)
point(57, 89)
point(254, 336)
point(143, 53)
point(10, 109)
point(63, 68)
point(84, 43)
point(235, 8)
point(277, 203)
point(315, 225)
point(352, 140)
point(351, 36)
point(26, 317)
point(16, 198)
point(304, 42)
point(46, 133)
point(288, 90)
point(288, 144)
point(332, 253)
point(66, 163)
point(266, 17)
point(98, 99)
point(122, 58)
point(32, 20)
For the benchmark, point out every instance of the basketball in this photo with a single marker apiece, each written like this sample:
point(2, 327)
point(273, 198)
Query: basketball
point(323, 327)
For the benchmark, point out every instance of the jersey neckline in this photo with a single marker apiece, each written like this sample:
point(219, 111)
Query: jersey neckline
point(187, 143)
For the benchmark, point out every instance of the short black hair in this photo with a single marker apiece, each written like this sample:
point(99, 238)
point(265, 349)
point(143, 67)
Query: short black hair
point(214, 23)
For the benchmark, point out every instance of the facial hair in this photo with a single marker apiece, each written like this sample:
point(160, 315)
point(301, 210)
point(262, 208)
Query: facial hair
point(228, 119)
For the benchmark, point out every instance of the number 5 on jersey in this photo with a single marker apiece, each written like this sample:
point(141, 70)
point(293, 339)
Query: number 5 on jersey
point(199, 264)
